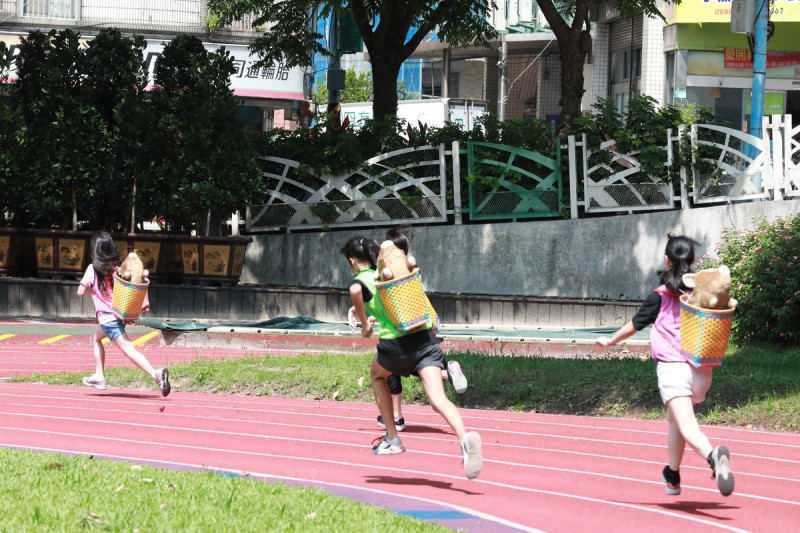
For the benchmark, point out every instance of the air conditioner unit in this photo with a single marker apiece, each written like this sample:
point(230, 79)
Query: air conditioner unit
point(743, 15)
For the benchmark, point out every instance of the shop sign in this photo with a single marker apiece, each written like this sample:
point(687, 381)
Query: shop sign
point(741, 58)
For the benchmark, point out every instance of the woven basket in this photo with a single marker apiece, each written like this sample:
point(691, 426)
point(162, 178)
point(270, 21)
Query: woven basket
point(127, 299)
point(704, 333)
point(405, 301)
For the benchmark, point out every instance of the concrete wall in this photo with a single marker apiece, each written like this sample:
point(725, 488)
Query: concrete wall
point(613, 257)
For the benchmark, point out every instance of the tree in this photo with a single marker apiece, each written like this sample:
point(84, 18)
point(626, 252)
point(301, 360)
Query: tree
point(391, 30)
point(210, 163)
point(569, 21)
point(357, 87)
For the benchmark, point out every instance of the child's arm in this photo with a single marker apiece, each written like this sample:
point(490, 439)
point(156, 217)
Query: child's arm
point(82, 289)
point(357, 297)
point(146, 302)
point(620, 335)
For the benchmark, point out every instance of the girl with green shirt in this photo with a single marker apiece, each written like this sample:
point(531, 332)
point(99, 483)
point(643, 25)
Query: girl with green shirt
point(402, 353)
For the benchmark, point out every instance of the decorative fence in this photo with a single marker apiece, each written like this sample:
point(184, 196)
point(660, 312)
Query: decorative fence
point(505, 181)
point(424, 184)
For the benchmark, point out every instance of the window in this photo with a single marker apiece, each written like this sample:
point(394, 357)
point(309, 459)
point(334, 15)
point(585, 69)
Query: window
point(64, 9)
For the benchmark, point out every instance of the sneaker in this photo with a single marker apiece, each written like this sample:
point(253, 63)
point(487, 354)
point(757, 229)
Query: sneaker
point(456, 377)
point(95, 381)
point(673, 480)
point(162, 380)
point(719, 460)
point(473, 458)
point(399, 423)
point(388, 447)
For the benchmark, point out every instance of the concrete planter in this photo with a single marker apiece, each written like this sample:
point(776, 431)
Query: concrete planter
point(212, 260)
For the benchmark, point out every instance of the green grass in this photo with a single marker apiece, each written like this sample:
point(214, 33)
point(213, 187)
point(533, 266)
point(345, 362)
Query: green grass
point(43, 492)
point(758, 386)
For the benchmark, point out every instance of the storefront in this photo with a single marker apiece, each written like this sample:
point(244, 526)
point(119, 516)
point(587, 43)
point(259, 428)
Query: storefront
point(709, 65)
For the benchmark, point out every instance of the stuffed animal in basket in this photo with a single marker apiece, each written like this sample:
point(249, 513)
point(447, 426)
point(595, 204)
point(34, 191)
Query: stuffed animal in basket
point(393, 263)
point(710, 288)
point(132, 269)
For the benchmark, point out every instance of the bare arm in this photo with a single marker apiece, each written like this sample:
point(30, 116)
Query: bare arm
point(357, 296)
point(620, 335)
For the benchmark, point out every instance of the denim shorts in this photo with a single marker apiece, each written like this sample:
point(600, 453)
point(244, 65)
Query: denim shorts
point(113, 329)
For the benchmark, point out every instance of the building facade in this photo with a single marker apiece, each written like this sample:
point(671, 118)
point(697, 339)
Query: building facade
point(271, 96)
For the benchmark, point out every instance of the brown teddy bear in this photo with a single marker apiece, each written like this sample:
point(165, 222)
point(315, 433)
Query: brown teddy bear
point(710, 288)
point(393, 263)
point(132, 269)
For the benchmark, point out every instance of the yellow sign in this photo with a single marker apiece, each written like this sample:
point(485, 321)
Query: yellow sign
point(699, 11)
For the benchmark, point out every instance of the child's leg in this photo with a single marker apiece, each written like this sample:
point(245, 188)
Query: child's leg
point(99, 352)
point(130, 351)
point(383, 396)
point(683, 429)
point(396, 388)
point(470, 442)
point(431, 377)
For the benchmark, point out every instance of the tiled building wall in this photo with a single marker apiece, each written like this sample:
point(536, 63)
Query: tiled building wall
point(653, 60)
point(600, 62)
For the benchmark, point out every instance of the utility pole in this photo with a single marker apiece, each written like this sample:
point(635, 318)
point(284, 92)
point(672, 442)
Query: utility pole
point(759, 67)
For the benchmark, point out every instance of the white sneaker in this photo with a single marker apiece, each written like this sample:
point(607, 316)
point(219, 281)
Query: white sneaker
point(95, 381)
point(456, 377)
point(719, 461)
point(473, 457)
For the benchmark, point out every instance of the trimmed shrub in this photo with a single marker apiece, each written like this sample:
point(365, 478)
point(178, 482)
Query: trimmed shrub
point(765, 270)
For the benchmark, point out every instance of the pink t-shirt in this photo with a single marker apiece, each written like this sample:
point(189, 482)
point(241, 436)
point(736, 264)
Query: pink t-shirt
point(102, 302)
point(665, 334)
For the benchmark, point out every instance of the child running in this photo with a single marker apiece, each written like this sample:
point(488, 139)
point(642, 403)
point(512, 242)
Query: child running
point(680, 383)
point(402, 354)
point(99, 278)
point(401, 236)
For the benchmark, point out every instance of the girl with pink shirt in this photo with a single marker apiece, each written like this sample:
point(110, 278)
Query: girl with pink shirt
point(680, 383)
point(99, 279)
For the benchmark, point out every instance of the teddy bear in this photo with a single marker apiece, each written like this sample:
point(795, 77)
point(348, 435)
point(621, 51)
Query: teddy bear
point(393, 263)
point(132, 269)
point(710, 288)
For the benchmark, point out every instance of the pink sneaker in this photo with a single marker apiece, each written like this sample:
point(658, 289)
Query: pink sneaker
point(95, 381)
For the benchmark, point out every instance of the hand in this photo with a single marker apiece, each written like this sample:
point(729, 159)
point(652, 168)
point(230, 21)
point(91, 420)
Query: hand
point(602, 342)
point(367, 329)
point(146, 308)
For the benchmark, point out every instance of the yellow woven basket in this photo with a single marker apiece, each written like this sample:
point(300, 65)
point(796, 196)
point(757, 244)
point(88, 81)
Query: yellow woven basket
point(405, 301)
point(127, 299)
point(704, 333)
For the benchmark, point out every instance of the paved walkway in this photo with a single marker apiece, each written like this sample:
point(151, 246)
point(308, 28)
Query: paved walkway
point(541, 472)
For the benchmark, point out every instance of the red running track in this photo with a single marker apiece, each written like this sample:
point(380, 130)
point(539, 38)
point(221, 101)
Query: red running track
point(541, 472)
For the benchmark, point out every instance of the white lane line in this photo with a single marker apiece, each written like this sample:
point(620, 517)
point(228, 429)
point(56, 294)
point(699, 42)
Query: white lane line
point(88, 422)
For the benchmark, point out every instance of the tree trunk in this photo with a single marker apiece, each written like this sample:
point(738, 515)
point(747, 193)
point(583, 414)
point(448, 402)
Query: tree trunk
point(384, 87)
point(571, 89)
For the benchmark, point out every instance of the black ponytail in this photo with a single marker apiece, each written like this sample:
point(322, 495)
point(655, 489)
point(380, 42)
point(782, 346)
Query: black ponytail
point(361, 248)
point(680, 252)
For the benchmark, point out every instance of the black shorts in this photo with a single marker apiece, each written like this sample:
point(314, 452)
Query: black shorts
point(410, 353)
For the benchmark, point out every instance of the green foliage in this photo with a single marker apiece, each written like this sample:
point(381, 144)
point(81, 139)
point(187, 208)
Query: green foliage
point(357, 87)
point(83, 129)
point(765, 266)
point(641, 131)
point(210, 163)
point(293, 41)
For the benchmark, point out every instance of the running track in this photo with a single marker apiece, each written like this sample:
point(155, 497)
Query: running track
point(541, 472)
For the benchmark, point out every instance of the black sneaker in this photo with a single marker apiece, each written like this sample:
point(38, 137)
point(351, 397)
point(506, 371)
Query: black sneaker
point(399, 423)
point(162, 380)
point(719, 460)
point(672, 478)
